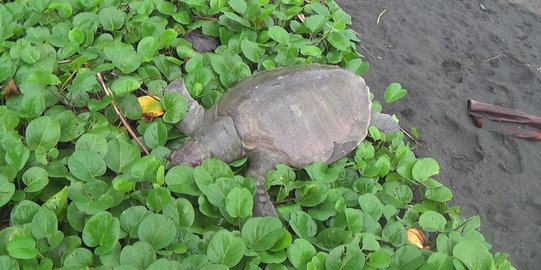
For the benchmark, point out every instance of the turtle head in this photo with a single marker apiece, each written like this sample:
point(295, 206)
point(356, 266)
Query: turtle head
point(190, 153)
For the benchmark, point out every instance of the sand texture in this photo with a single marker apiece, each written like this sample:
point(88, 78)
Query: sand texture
point(445, 52)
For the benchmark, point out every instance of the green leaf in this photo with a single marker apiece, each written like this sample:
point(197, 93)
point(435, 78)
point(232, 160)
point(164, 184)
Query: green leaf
point(158, 198)
point(29, 54)
point(225, 248)
point(157, 230)
point(8, 263)
point(125, 85)
point(131, 218)
point(92, 143)
point(181, 212)
point(145, 167)
point(372, 205)
point(148, 47)
point(351, 219)
point(35, 179)
point(300, 253)
point(111, 18)
point(303, 224)
point(472, 253)
point(261, 233)
point(120, 155)
point(42, 133)
point(175, 106)
point(155, 135)
point(17, 156)
point(140, 255)
point(44, 224)
point(78, 257)
point(379, 259)
point(239, 203)
point(311, 51)
point(180, 179)
point(315, 23)
point(339, 40)
point(432, 221)
point(394, 92)
point(439, 194)
point(7, 189)
point(251, 50)
point(167, 8)
point(22, 247)
point(394, 233)
point(86, 165)
point(9, 119)
point(425, 168)
point(278, 34)
point(345, 257)
point(238, 5)
point(102, 230)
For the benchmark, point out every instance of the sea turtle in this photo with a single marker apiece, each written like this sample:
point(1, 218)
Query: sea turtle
point(292, 115)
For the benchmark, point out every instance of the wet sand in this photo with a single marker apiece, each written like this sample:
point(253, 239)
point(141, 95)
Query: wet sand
point(446, 52)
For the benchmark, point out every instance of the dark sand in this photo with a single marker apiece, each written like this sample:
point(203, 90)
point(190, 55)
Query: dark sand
point(438, 50)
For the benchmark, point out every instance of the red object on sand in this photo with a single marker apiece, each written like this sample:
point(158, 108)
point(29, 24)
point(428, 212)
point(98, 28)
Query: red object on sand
point(502, 114)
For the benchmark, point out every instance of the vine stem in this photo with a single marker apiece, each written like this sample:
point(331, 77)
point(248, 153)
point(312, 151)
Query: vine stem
point(127, 125)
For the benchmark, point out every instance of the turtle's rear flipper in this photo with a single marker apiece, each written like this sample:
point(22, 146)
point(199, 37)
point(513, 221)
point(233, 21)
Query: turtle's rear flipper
point(260, 162)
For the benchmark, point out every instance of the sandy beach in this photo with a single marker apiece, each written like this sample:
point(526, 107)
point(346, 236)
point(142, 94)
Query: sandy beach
point(446, 52)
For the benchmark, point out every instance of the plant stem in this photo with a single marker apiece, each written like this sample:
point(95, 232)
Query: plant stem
point(128, 127)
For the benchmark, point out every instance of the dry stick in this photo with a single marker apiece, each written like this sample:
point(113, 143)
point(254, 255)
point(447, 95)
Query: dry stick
point(379, 16)
point(132, 133)
point(508, 58)
point(362, 46)
point(411, 137)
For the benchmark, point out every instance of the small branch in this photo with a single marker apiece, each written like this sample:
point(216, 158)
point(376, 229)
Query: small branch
point(508, 58)
point(205, 18)
point(379, 16)
point(132, 133)
point(411, 137)
point(67, 61)
point(362, 46)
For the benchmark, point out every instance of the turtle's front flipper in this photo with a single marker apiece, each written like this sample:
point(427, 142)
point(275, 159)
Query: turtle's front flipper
point(260, 162)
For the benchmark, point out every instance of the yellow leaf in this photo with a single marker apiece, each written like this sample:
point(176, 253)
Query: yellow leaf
point(151, 107)
point(416, 237)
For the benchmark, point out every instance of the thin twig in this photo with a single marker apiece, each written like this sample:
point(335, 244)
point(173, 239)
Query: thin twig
point(508, 58)
point(362, 46)
point(379, 16)
point(205, 18)
point(411, 137)
point(132, 133)
point(67, 61)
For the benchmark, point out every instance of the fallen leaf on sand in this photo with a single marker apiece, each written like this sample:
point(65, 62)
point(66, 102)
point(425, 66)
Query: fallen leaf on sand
point(417, 238)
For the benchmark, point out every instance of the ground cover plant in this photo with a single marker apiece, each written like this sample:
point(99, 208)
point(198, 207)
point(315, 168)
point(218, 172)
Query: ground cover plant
point(77, 192)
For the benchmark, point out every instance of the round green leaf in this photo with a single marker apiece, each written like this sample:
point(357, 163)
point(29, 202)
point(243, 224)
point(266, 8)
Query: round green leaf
point(35, 179)
point(43, 133)
point(22, 247)
point(111, 18)
point(303, 224)
point(239, 203)
point(300, 253)
point(148, 47)
point(180, 179)
point(345, 257)
point(102, 230)
point(251, 50)
point(139, 255)
point(124, 85)
point(157, 230)
point(425, 168)
point(432, 221)
point(158, 198)
point(17, 156)
point(278, 34)
point(261, 233)
point(92, 143)
point(181, 212)
point(131, 218)
point(7, 189)
point(44, 224)
point(86, 165)
point(394, 92)
point(472, 253)
point(120, 155)
point(395, 233)
point(155, 135)
point(224, 248)
point(175, 106)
